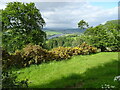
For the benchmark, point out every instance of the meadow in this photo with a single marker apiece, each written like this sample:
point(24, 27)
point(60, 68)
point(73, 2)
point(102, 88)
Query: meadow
point(91, 71)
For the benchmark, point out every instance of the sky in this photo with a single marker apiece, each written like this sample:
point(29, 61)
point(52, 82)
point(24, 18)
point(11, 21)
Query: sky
point(66, 14)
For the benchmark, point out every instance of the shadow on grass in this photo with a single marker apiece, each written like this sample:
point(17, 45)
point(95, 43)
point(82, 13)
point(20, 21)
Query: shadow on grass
point(92, 78)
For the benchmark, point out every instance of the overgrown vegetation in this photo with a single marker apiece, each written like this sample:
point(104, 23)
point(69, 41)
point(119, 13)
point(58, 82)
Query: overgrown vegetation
point(9, 81)
point(21, 25)
point(24, 45)
point(8, 77)
point(34, 54)
point(106, 37)
point(67, 40)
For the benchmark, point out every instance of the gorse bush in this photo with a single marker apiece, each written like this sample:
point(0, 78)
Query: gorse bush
point(84, 49)
point(34, 54)
point(76, 50)
point(31, 54)
point(67, 52)
point(62, 52)
point(90, 49)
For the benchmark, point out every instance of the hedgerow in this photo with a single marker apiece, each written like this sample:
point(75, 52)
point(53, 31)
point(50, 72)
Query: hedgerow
point(34, 54)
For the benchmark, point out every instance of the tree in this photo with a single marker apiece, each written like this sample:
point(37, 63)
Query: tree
point(21, 25)
point(83, 24)
point(26, 17)
point(104, 36)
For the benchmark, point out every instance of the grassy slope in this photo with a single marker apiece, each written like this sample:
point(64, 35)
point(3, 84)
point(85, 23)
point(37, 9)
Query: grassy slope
point(80, 71)
point(52, 32)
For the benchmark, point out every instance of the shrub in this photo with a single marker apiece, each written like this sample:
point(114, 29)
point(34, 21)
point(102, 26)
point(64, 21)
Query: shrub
point(34, 54)
point(9, 60)
point(67, 52)
point(9, 81)
point(5, 59)
point(8, 78)
point(87, 49)
point(84, 49)
point(62, 52)
point(76, 50)
point(31, 54)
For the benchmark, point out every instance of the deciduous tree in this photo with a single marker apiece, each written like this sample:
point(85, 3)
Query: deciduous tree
point(22, 23)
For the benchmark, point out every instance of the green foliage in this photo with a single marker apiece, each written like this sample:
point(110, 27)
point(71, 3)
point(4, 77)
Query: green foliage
point(9, 81)
point(0, 20)
point(5, 59)
point(78, 40)
point(115, 22)
point(65, 41)
point(14, 40)
point(0, 28)
point(104, 36)
point(24, 17)
point(21, 25)
point(83, 24)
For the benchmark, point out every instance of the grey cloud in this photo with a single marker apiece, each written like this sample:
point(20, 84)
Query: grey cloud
point(59, 13)
point(68, 14)
point(49, 6)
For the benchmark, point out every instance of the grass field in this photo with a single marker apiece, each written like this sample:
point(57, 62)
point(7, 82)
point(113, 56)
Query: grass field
point(52, 32)
point(90, 71)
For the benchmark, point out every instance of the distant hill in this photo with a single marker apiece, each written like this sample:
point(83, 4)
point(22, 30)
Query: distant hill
point(64, 31)
point(57, 32)
point(76, 30)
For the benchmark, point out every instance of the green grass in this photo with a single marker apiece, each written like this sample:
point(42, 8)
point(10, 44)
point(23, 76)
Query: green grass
point(90, 71)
